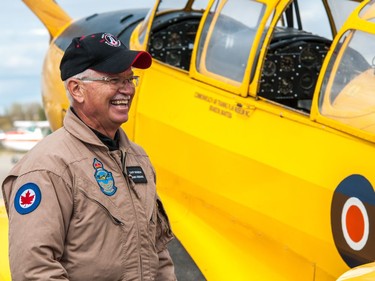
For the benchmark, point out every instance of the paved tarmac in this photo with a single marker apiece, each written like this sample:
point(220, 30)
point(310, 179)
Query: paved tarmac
point(186, 270)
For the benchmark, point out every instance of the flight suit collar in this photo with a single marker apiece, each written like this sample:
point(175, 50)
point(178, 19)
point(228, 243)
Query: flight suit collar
point(74, 125)
point(112, 144)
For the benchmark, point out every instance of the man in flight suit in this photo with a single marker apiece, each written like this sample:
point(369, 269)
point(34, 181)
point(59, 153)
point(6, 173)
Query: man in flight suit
point(82, 204)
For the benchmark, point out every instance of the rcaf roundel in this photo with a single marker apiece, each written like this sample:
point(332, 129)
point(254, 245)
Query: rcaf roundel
point(27, 198)
point(352, 211)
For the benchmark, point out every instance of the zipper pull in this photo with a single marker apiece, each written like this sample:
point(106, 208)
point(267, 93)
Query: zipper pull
point(123, 159)
point(132, 185)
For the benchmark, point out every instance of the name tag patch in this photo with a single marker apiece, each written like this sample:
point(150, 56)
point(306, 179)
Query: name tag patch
point(136, 173)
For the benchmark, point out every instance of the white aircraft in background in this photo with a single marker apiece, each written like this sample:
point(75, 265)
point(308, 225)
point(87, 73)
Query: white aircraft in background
point(25, 135)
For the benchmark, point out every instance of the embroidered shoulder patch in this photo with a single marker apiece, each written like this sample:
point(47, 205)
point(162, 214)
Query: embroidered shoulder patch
point(27, 198)
point(104, 178)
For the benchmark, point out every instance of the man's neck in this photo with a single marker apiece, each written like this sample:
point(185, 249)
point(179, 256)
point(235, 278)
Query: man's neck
point(112, 144)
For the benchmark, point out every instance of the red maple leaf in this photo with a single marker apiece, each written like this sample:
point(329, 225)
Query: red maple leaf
point(26, 200)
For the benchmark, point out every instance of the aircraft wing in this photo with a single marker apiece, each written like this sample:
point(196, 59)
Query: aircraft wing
point(359, 273)
point(50, 14)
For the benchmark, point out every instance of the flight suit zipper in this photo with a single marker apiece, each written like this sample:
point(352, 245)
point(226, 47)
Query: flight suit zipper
point(130, 188)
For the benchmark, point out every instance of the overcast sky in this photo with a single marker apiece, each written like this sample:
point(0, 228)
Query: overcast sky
point(25, 42)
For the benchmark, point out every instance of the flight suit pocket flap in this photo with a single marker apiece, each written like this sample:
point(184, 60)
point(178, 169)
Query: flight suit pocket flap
point(93, 193)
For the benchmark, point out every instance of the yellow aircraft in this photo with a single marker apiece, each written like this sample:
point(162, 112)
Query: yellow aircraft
point(259, 116)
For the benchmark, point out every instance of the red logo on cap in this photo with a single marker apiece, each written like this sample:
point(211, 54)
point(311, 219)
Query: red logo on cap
point(111, 40)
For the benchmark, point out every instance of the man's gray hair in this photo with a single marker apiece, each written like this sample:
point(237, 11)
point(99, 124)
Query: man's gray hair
point(85, 73)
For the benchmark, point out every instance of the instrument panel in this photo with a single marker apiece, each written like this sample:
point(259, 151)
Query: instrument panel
point(172, 38)
point(291, 68)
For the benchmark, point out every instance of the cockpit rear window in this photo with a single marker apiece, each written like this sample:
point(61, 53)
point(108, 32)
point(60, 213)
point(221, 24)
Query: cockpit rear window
point(348, 91)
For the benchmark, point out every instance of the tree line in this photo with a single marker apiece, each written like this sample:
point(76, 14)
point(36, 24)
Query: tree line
point(17, 111)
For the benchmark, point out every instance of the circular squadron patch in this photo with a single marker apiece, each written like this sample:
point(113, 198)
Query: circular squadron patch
point(27, 198)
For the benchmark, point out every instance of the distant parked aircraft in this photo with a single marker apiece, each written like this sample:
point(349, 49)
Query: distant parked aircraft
point(25, 135)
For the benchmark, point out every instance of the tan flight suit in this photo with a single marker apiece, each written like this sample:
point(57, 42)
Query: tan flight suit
point(78, 211)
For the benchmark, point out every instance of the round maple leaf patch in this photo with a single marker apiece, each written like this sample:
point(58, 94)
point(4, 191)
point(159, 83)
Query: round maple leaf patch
point(27, 198)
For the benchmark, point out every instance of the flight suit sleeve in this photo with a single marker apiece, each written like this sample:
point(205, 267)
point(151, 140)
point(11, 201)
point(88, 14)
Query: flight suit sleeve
point(166, 270)
point(39, 206)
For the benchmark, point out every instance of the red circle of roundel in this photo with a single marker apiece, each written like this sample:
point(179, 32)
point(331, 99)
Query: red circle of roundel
point(352, 211)
point(355, 223)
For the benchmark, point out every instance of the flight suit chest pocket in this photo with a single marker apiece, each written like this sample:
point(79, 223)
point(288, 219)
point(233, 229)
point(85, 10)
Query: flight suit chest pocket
point(91, 203)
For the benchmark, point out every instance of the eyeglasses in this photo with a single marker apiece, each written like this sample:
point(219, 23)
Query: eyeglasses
point(115, 81)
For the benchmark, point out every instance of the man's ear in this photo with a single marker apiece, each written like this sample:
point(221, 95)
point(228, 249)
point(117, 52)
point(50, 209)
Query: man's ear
point(75, 88)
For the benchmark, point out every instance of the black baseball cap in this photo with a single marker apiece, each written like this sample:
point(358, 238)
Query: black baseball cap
point(102, 52)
